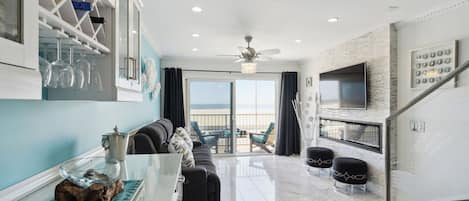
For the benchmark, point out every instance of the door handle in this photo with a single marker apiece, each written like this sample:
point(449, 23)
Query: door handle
point(132, 69)
point(128, 66)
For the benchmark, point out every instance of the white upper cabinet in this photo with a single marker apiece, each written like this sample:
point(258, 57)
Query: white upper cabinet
point(19, 74)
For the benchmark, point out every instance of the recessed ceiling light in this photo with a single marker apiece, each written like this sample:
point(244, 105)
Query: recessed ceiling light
point(334, 19)
point(298, 41)
point(196, 9)
point(195, 49)
point(195, 35)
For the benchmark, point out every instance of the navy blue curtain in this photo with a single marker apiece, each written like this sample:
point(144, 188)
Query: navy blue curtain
point(173, 97)
point(288, 135)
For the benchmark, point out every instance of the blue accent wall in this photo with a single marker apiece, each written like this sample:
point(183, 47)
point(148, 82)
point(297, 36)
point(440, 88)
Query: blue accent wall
point(37, 135)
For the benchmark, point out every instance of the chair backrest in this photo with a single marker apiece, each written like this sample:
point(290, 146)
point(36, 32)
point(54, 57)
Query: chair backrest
point(268, 131)
point(195, 127)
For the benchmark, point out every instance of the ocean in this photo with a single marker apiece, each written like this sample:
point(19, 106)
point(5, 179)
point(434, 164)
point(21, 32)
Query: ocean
point(240, 108)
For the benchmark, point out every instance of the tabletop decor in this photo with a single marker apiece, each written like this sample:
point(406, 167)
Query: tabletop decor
point(66, 191)
point(90, 179)
point(429, 65)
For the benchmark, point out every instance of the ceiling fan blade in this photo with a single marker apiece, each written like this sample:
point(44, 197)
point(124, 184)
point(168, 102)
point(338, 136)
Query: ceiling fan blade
point(242, 49)
point(227, 55)
point(269, 52)
point(239, 60)
point(263, 58)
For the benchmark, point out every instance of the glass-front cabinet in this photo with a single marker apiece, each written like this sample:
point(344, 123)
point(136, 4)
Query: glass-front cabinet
point(129, 45)
point(18, 33)
point(19, 75)
point(113, 75)
point(96, 42)
point(10, 20)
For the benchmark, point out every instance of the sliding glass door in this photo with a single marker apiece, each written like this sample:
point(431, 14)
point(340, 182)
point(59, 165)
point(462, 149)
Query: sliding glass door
point(211, 113)
point(255, 115)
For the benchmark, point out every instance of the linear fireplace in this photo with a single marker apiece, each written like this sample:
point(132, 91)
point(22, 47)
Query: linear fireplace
point(365, 135)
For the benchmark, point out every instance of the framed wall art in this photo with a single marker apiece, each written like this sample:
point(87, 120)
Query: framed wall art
point(309, 81)
point(429, 65)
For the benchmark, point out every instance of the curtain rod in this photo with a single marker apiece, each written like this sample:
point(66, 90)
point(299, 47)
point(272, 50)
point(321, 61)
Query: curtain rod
point(222, 71)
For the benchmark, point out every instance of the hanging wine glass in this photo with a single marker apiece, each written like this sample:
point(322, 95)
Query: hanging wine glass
point(79, 75)
point(62, 73)
point(96, 81)
point(56, 66)
point(66, 75)
point(85, 67)
point(46, 71)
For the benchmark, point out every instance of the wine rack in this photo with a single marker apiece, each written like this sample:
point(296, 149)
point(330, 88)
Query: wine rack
point(59, 19)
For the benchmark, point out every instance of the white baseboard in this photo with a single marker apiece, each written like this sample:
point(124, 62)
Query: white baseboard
point(29, 185)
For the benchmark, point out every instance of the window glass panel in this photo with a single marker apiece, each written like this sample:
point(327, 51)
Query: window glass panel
point(10, 20)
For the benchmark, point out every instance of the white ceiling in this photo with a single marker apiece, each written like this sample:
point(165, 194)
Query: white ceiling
point(273, 23)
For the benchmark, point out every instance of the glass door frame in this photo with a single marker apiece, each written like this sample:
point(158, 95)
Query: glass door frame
point(232, 148)
point(189, 76)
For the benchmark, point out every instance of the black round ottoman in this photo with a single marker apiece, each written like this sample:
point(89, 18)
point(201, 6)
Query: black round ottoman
point(350, 171)
point(319, 157)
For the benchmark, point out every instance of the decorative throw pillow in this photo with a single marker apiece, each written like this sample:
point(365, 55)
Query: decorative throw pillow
point(182, 132)
point(178, 145)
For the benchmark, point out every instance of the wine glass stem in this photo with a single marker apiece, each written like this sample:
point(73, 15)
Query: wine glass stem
point(59, 49)
point(70, 60)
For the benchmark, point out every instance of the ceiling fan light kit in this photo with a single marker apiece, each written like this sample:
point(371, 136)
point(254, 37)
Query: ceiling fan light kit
point(248, 68)
point(249, 56)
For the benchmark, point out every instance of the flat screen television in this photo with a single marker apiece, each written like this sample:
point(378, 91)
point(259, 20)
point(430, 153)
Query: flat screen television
point(344, 88)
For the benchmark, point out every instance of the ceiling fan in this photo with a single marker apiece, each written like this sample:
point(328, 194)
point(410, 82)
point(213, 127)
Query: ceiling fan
point(249, 56)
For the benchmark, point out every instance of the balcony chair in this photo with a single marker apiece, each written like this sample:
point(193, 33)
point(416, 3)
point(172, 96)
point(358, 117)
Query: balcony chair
point(210, 139)
point(260, 139)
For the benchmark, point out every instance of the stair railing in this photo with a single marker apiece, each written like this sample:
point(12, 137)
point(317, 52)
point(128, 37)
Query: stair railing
point(409, 105)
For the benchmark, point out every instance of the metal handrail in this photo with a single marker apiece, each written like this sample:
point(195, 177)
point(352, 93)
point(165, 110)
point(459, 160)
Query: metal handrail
point(245, 121)
point(409, 105)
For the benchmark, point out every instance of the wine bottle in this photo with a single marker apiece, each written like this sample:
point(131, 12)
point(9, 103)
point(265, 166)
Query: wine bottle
point(97, 20)
point(81, 5)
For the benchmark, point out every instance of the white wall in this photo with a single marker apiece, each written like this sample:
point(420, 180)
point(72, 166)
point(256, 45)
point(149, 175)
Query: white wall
point(433, 165)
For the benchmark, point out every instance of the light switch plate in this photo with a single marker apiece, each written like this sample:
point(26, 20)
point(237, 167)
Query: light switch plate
point(417, 126)
point(413, 126)
point(421, 127)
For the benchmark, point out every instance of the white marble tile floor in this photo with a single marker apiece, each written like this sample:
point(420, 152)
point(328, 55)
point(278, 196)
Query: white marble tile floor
point(277, 178)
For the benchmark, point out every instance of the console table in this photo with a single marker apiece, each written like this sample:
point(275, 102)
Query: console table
point(161, 174)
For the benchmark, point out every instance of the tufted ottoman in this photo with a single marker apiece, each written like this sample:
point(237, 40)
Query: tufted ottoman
point(319, 157)
point(350, 171)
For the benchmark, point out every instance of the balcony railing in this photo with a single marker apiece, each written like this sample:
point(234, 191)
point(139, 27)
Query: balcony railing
point(247, 122)
point(244, 122)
